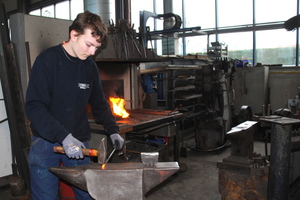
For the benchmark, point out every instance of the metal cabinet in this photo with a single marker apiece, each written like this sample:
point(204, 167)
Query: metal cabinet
point(251, 88)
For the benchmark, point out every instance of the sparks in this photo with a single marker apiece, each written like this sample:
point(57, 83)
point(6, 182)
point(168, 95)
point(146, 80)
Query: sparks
point(103, 166)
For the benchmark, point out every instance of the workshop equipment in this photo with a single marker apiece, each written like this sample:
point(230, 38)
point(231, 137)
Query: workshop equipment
point(101, 153)
point(117, 181)
point(18, 189)
point(292, 23)
point(214, 82)
point(148, 122)
point(294, 104)
point(281, 134)
point(242, 141)
point(243, 174)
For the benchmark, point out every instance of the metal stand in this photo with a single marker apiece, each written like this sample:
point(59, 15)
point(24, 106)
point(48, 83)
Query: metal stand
point(281, 129)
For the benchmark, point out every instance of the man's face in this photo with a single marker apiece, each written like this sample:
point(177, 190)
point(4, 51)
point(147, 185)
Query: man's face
point(84, 45)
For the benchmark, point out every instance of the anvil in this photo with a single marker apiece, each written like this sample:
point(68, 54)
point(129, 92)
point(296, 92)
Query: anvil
point(117, 181)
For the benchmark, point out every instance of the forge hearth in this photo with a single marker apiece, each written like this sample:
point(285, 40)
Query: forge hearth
point(120, 80)
point(160, 123)
point(118, 118)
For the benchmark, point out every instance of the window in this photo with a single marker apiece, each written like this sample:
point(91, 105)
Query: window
point(240, 45)
point(234, 12)
point(136, 7)
point(276, 47)
point(225, 21)
point(5, 140)
point(62, 10)
point(76, 7)
point(48, 11)
point(36, 12)
point(274, 10)
point(159, 9)
point(203, 16)
point(196, 45)
point(2, 105)
point(177, 7)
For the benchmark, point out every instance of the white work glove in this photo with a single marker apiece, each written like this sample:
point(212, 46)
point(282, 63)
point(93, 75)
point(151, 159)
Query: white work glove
point(117, 141)
point(73, 147)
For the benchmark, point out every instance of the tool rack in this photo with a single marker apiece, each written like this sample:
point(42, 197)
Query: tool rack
point(176, 90)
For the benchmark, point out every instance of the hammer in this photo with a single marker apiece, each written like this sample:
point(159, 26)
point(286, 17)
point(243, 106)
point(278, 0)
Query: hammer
point(101, 152)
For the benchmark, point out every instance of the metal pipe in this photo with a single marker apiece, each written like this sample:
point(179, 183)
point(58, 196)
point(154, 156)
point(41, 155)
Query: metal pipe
point(104, 8)
point(119, 9)
point(127, 10)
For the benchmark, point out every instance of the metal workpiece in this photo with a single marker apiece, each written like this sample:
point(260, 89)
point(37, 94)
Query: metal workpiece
point(117, 181)
point(281, 134)
point(149, 158)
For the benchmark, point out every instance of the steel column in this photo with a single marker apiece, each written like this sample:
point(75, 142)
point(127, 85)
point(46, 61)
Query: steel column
point(278, 187)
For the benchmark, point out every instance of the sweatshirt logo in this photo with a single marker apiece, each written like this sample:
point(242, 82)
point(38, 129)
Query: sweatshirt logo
point(83, 86)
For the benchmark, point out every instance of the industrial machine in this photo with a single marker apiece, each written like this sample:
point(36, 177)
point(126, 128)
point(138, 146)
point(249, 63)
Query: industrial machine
point(214, 82)
point(200, 88)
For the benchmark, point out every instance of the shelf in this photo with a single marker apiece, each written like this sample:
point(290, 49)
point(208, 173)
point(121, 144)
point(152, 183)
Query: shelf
point(188, 97)
point(170, 68)
point(188, 78)
point(184, 88)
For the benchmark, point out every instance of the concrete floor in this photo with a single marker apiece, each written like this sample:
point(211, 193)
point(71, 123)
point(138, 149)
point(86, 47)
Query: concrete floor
point(197, 179)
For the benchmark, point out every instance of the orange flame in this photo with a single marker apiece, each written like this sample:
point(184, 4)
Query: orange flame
point(103, 166)
point(118, 107)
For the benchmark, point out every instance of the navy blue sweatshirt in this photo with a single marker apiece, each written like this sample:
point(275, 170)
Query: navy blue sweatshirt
point(59, 89)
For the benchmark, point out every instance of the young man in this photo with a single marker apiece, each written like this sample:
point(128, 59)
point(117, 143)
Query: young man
point(64, 79)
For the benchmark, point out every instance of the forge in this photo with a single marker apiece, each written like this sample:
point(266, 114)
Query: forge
point(117, 181)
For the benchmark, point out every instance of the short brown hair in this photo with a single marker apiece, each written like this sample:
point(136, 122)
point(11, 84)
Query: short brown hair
point(91, 21)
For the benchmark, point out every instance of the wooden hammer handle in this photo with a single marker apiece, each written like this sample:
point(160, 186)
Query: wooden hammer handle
point(86, 152)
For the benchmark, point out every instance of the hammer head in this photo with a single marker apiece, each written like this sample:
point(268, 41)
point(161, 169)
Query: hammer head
point(102, 152)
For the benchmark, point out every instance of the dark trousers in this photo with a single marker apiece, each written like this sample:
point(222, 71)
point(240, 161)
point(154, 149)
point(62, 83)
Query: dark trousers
point(44, 184)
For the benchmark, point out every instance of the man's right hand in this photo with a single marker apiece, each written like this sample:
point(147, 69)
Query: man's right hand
point(73, 147)
point(117, 141)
